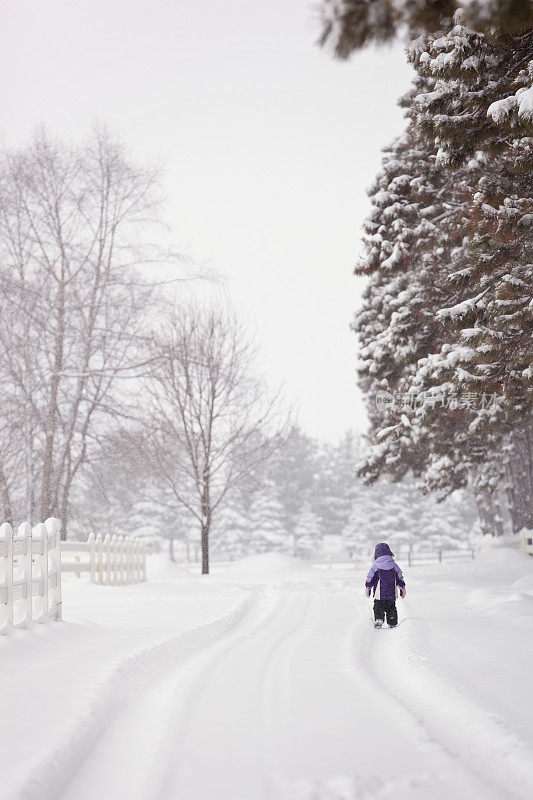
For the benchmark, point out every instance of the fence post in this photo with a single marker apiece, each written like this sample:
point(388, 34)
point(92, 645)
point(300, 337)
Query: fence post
point(115, 560)
point(129, 550)
point(118, 559)
point(125, 557)
point(26, 564)
point(132, 557)
point(40, 536)
point(52, 526)
point(440, 556)
point(139, 562)
point(143, 562)
point(121, 548)
point(133, 552)
point(119, 552)
point(92, 565)
point(6, 543)
point(100, 558)
point(409, 558)
point(140, 558)
point(107, 554)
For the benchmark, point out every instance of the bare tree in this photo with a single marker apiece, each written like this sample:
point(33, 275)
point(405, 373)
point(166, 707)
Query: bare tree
point(71, 300)
point(213, 420)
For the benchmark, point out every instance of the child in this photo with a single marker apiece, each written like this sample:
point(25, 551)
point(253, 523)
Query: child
point(385, 572)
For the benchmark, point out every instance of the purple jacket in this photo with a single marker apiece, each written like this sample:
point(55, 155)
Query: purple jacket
point(386, 574)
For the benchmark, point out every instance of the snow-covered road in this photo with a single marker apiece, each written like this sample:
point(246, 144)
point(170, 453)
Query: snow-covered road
point(292, 695)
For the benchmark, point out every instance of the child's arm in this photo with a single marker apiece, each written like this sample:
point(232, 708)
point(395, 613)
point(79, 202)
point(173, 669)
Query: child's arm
point(371, 579)
point(399, 579)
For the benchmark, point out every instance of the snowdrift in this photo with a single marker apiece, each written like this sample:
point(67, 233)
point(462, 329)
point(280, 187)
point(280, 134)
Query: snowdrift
point(268, 567)
point(160, 568)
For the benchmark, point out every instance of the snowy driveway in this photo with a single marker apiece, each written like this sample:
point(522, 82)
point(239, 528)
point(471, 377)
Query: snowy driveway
point(292, 695)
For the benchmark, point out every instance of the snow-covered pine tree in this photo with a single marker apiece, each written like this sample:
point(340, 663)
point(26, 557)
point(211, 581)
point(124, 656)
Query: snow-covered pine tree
point(307, 532)
point(267, 529)
point(467, 73)
point(335, 483)
point(472, 109)
point(416, 220)
point(152, 521)
point(355, 535)
point(399, 514)
point(408, 256)
point(462, 353)
point(493, 265)
point(493, 357)
point(392, 512)
point(464, 73)
point(291, 472)
point(349, 25)
point(448, 525)
point(232, 532)
point(391, 322)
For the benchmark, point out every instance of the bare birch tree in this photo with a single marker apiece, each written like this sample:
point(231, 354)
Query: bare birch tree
point(71, 302)
point(212, 418)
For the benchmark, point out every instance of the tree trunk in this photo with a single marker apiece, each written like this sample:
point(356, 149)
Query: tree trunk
point(520, 471)
point(171, 548)
point(489, 513)
point(51, 420)
point(7, 514)
point(206, 521)
point(63, 519)
point(205, 548)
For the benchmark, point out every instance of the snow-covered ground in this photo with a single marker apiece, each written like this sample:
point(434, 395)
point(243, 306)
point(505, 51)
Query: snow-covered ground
point(267, 680)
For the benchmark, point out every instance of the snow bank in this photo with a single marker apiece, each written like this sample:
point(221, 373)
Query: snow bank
point(268, 567)
point(510, 597)
point(63, 684)
point(525, 582)
point(157, 609)
point(160, 567)
point(503, 557)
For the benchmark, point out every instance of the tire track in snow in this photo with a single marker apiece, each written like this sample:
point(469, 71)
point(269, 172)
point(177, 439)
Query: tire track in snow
point(277, 693)
point(467, 728)
point(439, 710)
point(261, 650)
point(190, 692)
point(138, 755)
point(276, 681)
point(347, 734)
point(126, 687)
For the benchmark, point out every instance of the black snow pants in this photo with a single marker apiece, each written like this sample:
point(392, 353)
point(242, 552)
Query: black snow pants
point(388, 607)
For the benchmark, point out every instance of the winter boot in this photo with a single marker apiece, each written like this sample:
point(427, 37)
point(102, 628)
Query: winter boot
point(378, 623)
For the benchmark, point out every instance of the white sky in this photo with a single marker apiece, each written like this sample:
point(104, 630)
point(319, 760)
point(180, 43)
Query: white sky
point(268, 142)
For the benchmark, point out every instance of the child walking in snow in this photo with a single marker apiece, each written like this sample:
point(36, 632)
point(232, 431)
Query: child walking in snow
point(386, 574)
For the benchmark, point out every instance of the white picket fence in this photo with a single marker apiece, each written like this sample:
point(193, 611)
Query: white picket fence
point(526, 541)
point(110, 560)
point(30, 574)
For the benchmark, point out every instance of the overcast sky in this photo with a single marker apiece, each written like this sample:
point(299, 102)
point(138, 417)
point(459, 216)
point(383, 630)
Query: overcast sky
point(268, 143)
